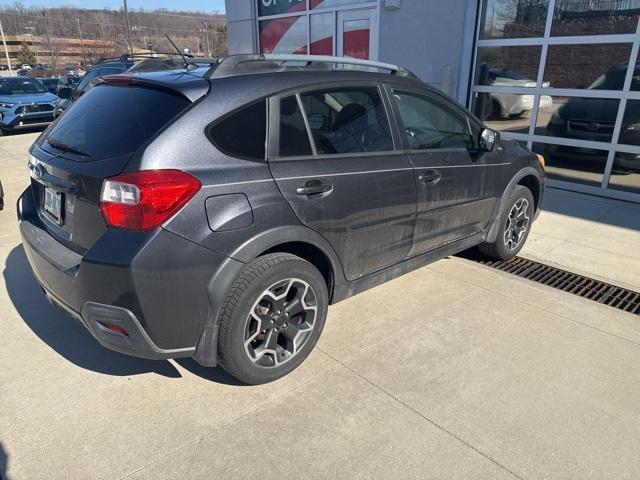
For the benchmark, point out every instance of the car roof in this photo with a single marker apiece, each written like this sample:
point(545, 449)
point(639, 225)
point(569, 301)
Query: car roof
point(194, 83)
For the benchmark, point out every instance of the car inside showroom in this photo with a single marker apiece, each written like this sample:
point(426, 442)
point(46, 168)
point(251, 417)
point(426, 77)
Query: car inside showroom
point(560, 76)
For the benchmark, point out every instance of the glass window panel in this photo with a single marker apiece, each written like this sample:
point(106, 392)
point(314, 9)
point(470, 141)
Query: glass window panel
point(335, 3)
point(581, 118)
point(508, 66)
point(504, 111)
point(356, 35)
point(430, 126)
point(284, 35)
point(514, 19)
point(596, 67)
point(625, 174)
point(347, 120)
point(635, 80)
point(573, 164)
point(294, 139)
point(630, 131)
point(277, 7)
point(595, 17)
point(322, 32)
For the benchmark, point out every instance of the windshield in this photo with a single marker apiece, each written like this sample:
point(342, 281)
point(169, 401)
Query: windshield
point(20, 86)
point(612, 80)
point(111, 121)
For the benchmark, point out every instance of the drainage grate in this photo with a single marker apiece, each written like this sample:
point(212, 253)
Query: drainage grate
point(585, 287)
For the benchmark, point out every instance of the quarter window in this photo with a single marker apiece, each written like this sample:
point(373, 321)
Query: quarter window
point(347, 120)
point(428, 125)
point(243, 133)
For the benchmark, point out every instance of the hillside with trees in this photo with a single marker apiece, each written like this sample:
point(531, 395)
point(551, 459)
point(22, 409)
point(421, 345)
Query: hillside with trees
point(203, 33)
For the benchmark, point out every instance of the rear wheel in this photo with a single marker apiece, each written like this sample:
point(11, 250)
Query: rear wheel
point(272, 318)
point(515, 224)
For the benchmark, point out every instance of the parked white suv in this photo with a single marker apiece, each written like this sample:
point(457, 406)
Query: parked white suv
point(505, 105)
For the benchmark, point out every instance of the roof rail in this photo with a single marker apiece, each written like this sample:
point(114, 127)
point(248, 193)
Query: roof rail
point(256, 63)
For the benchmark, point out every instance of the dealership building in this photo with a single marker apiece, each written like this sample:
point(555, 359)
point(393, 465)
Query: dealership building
point(561, 76)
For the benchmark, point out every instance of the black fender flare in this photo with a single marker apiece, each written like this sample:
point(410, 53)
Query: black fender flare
point(494, 226)
point(207, 348)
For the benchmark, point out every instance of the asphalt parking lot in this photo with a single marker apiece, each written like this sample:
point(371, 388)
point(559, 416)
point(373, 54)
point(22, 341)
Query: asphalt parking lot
point(452, 371)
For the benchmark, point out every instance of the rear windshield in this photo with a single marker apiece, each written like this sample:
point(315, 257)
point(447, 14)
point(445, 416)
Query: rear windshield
point(110, 121)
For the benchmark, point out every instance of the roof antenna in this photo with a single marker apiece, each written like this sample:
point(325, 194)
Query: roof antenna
point(184, 59)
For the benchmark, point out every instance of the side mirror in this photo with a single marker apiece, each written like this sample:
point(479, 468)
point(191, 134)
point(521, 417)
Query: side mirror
point(65, 93)
point(488, 139)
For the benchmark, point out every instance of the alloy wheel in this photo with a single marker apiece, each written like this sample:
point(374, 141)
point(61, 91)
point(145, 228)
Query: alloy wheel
point(517, 224)
point(280, 322)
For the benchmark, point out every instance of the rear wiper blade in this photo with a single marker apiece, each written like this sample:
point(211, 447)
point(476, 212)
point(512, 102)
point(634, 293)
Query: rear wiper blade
point(64, 147)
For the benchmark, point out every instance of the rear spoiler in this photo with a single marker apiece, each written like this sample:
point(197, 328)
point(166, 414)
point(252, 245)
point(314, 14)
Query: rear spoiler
point(190, 87)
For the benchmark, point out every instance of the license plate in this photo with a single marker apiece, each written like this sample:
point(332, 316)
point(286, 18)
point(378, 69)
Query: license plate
point(53, 204)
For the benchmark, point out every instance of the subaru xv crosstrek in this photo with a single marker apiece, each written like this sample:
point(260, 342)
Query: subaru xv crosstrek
point(216, 212)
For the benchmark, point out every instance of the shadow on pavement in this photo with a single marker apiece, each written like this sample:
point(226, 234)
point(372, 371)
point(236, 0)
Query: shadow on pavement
point(62, 333)
point(616, 213)
point(217, 375)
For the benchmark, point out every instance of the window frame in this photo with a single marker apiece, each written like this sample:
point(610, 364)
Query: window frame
point(211, 125)
point(439, 101)
point(274, 121)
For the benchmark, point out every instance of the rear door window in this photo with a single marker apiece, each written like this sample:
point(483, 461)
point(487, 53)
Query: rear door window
point(347, 120)
point(294, 138)
point(243, 133)
point(111, 121)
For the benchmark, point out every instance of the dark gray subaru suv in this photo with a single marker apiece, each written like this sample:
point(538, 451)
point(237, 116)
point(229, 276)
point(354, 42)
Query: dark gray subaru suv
point(216, 212)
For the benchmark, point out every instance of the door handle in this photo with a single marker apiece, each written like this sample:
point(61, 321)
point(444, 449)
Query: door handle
point(430, 176)
point(314, 187)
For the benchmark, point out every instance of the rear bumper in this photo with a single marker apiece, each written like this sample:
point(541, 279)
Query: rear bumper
point(153, 285)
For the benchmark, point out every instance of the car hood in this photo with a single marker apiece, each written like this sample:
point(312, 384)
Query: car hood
point(596, 109)
point(29, 98)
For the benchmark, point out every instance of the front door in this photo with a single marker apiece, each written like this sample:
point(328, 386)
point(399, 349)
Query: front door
point(348, 183)
point(356, 34)
point(456, 187)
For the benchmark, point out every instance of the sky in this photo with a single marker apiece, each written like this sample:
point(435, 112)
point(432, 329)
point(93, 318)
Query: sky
point(201, 5)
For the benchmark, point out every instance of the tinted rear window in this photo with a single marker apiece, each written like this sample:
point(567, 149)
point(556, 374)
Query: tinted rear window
point(110, 121)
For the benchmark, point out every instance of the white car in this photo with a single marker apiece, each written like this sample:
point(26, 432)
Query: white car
point(26, 67)
point(504, 105)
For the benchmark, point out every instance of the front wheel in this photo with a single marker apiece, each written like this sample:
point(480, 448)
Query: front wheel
point(515, 224)
point(272, 318)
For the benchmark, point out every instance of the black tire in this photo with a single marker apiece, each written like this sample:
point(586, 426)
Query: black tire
point(499, 248)
point(257, 277)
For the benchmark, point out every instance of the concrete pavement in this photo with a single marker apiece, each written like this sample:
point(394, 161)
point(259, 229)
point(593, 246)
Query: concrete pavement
point(452, 371)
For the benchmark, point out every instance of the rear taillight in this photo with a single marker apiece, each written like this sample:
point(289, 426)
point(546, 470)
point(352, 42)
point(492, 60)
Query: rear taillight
point(145, 200)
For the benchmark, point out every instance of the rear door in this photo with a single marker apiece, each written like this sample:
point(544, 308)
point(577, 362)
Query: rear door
point(456, 186)
point(332, 155)
point(95, 139)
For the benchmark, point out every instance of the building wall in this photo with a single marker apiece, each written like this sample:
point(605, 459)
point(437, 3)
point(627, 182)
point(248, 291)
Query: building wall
point(241, 26)
point(432, 38)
